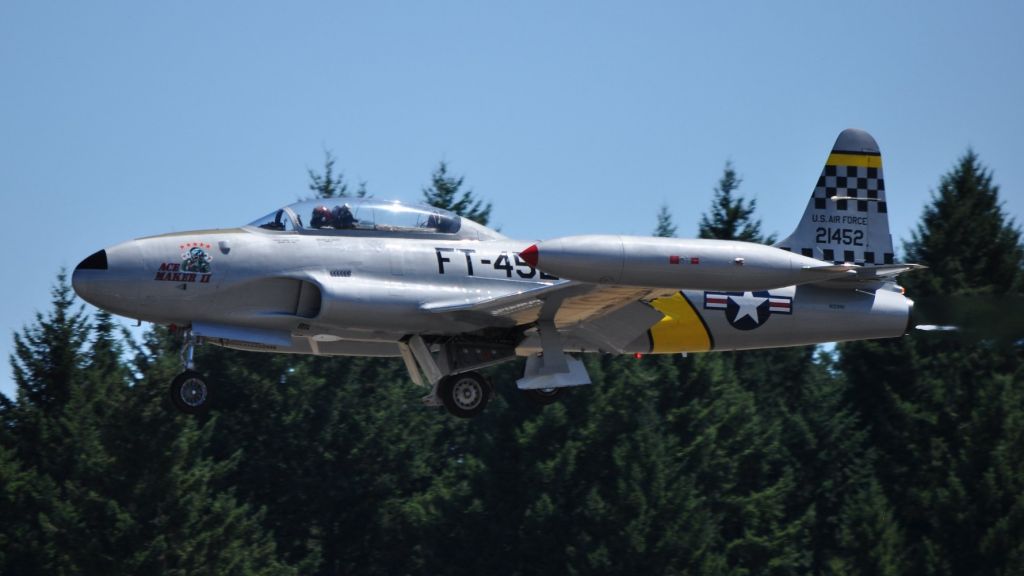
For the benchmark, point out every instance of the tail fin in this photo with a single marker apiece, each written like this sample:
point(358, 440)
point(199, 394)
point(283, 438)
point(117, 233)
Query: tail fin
point(846, 219)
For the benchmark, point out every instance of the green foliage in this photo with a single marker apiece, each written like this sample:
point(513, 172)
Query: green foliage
point(444, 192)
point(732, 216)
point(328, 184)
point(665, 228)
point(100, 479)
point(965, 239)
point(941, 408)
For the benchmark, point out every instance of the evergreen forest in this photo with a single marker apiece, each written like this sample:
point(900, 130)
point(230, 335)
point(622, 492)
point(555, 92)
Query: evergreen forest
point(901, 456)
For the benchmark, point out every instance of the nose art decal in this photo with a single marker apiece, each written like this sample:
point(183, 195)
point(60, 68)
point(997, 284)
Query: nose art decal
point(194, 265)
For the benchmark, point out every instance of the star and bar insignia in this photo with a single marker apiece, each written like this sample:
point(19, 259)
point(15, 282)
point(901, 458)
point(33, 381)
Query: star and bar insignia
point(748, 310)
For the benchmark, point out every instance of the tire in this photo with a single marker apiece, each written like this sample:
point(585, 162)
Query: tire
point(189, 393)
point(543, 396)
point(464, 395)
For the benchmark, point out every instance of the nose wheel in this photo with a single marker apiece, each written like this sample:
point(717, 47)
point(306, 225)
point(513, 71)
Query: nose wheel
point(464, 395)
point(189, 392)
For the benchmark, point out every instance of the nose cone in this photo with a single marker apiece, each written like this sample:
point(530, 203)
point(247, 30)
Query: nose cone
point(97, 261)
point(109, 278)
point(87, 273)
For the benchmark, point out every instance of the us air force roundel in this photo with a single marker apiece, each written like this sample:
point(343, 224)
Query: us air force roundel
point(747, 310)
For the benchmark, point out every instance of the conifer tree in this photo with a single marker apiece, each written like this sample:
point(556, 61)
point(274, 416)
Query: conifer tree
point(444, 192)
point(665, 228)
point(26, 547)
point(871, 540)
point(104, 480)
point(965, 238)
point(732, 216)
point(942, 409)
point(328, 184)
point(47, 357)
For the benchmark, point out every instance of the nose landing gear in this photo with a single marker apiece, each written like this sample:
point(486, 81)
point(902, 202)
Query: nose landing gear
point(189, 391)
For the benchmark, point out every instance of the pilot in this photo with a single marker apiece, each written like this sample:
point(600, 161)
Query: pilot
point(322, 217)
point(343, 218)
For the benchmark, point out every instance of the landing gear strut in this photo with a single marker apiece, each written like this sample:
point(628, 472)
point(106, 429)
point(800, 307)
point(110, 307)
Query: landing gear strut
point(189, 392)
point(464, 395)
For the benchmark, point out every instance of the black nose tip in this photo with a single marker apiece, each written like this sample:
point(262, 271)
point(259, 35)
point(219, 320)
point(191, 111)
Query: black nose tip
point(97, 261)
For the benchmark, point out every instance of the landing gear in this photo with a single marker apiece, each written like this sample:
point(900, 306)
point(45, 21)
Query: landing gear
point(543, 396)
point(189, 391)
point(464, 395)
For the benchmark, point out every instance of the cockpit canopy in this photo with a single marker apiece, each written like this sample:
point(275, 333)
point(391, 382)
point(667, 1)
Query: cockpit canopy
point(371, 217)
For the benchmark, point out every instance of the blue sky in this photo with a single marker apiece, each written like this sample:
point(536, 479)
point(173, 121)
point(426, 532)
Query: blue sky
point(122, 119)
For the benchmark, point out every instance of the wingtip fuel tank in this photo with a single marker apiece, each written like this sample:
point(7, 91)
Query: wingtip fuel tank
point(682, 264)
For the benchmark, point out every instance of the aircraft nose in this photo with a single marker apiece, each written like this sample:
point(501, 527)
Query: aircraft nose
point(83, 278)
point(109, 278)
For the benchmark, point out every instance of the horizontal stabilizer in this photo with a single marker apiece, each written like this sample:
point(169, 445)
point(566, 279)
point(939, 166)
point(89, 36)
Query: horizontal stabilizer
point(833, 270)
point(853, 273)
point(887, 270)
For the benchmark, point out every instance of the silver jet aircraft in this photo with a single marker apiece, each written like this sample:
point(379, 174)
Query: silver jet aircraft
point(365, 277)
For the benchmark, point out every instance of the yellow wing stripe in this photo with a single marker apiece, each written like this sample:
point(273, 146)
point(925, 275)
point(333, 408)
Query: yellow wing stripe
point(681, 330)
point(837, 159)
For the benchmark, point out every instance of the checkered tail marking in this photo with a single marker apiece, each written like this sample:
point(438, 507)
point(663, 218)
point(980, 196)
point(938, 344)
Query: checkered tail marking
point(846, 219)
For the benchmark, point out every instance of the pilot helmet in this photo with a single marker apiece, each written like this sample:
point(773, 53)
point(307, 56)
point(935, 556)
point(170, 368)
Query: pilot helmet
point(321, 216)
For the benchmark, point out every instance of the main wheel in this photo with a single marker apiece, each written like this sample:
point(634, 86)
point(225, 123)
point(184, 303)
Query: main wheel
point(464, 395)
point(189, 393)
point(544, 396)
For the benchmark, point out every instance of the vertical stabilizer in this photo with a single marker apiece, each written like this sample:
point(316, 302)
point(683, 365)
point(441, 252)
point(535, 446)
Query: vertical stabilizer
point(847, 220)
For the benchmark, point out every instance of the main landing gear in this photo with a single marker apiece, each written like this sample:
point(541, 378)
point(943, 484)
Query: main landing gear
point(464, 395)
point(189, 391)
point(448, 368)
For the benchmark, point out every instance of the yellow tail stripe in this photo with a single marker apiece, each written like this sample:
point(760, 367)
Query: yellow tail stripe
point(681, 330)
point(837, 159)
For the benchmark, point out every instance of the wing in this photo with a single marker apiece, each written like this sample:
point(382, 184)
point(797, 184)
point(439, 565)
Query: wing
point(598, 317)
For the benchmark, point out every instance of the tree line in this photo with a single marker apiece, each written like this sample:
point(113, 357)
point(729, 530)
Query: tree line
point(901, 456)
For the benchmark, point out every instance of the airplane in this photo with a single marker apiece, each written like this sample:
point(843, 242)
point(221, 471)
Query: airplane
point(368, 277)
